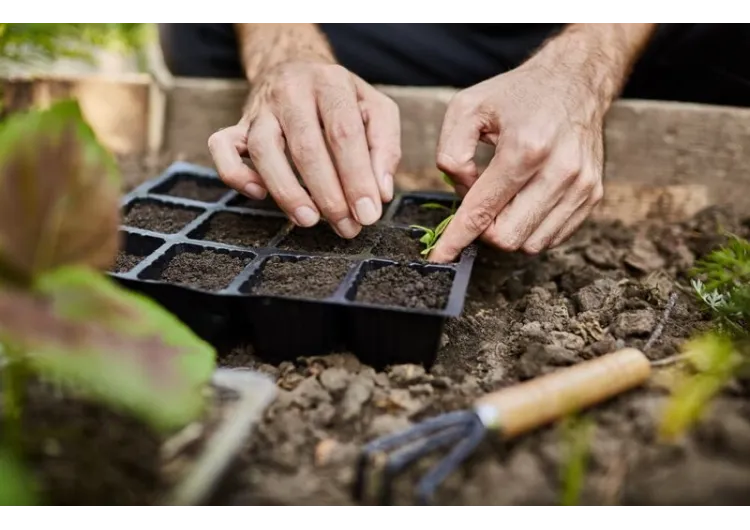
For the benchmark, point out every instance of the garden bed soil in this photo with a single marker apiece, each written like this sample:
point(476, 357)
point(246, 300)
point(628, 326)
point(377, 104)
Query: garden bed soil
point(125, 262)
point(412, 213)
point(313, 278)
point(159, 217)
point(322, 239)
point(398, 244)
point(524, 317)
point(83, 453)
point(198, 190)
point(240, 201)
point(404, 286)
point(240, 230)
point(209, 270)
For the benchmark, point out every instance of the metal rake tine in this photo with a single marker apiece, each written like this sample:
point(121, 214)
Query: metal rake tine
point(420, 429)
point(431, 480)
point(403, 459)
point(386, 443)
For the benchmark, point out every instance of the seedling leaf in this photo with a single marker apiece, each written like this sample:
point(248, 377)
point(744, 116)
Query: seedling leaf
point(434, 206)
point(447, 179)
point(84, 330)
point(16, 486)
point(714, 360)
point(59, 194)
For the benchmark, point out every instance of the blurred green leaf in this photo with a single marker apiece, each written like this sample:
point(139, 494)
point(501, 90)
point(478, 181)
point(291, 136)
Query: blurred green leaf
point(577, 434)
point(16, 486)
point(713, 360)
point(82, 329)
point(42, 43)
point(59, 193)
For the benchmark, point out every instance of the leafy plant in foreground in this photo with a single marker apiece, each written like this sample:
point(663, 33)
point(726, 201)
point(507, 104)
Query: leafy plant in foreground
point(60, 317)
point(722, 283)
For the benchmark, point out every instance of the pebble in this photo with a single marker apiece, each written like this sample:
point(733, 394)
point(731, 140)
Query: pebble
point(355, 397)
point(634, 323)
point(335, 379)
point(406, 373)
point(309, 393)
point(387, 424)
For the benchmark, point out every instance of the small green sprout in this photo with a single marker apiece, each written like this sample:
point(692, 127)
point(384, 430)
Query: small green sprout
point(577, 434)
point(432, 236)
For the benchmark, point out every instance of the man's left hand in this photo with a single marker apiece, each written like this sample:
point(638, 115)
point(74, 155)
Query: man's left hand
point(546, 174)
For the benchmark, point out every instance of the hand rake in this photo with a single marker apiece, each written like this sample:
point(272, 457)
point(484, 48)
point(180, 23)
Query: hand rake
point(511, 412)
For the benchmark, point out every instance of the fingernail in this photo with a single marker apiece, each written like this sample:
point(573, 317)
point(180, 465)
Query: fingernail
point(255, 192)
point(366, 211)
point(305, 216)
point(388, 186)
point(347, 228)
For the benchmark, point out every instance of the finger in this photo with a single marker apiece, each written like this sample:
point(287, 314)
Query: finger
point(505, 175)
point(533, 204)
point(580, 193)
point(383, 129)
point(265, 146)
point(459, 137)
point(225, 147)
point(577, 219)
point(301, 128)
point(345, 133)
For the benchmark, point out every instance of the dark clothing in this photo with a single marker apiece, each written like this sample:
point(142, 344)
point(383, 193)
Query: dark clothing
point(702, 63)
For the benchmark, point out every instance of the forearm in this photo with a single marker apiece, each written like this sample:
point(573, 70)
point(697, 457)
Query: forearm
point(600, 56)
point(265, 46)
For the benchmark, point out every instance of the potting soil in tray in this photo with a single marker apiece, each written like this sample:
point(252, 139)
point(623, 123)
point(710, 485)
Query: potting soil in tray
point(232, 267)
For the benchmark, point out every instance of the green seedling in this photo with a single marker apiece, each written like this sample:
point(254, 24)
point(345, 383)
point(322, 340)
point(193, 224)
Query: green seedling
point(577, 434)
point(431, 236)
point(61, 319)
point(721, 283)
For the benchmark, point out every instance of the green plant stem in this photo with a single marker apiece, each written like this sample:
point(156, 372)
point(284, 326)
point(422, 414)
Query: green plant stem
point(15, 376)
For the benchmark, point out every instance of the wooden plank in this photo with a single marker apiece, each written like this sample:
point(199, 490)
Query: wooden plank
point(116, 106)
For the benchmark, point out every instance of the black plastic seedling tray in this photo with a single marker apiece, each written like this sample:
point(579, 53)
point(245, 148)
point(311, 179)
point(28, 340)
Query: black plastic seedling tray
point(283, 326)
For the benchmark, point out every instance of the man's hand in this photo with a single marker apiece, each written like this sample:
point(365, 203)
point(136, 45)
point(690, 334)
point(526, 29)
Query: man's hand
point(545, 119)
point(343, 136)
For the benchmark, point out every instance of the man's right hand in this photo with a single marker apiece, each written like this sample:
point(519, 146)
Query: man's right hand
point(343, 136)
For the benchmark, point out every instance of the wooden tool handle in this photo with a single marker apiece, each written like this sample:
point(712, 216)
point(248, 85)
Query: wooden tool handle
point(521, 408)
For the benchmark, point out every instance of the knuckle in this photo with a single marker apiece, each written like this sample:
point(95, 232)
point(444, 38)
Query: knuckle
point(447, 163)
point(597, 194)
point(532, 149)
point(461, 103)
point(477, 221)
point(587, 184)
point(341, 131)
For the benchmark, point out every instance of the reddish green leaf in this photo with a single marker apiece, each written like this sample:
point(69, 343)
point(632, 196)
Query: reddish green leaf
point(114, 345)
point(59, 193)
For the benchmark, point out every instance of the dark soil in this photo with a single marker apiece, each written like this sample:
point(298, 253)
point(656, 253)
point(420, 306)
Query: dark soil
point(242, 230)
point(311, 278)
point(87, 454)
point(212, 271)
point(412, 213)
point(241, 201)
point(400, 285)
point(321, 238)
point(399, 245)
point(198, 190)
point(524, 316)
point(166, 219)
point(125, 262)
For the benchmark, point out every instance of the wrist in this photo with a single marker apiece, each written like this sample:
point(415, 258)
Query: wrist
point(266, 47)
point(596, 59)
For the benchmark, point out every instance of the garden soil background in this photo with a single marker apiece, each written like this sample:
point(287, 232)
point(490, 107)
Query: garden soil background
point(525, 316)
